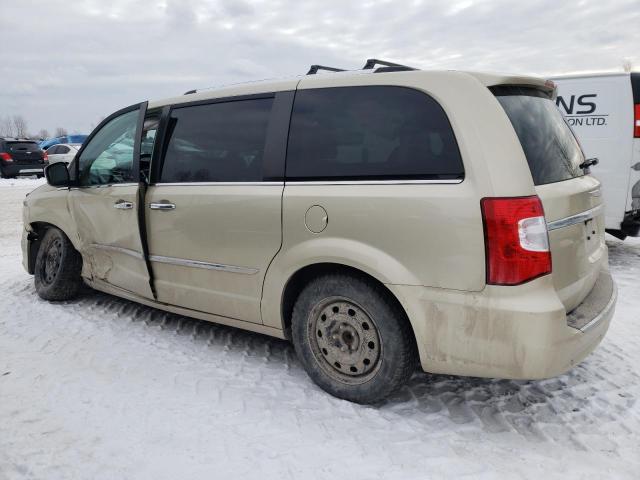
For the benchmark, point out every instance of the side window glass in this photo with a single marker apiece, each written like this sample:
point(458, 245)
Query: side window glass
point(108, 157)
point(53, 150)
point(62, 150)
point(374, 132)
point(218, 142)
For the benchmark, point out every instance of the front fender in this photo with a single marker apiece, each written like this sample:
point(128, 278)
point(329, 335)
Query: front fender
point(50, 206)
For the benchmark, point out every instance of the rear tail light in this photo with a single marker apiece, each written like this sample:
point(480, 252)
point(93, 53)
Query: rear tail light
point(45, 156)
point(636, 121)
point(6, 157)
point(516, 239)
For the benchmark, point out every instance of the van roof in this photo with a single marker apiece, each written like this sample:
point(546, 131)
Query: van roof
point(278, 85)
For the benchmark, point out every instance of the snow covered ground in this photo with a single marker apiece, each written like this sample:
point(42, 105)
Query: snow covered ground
point(102, 388)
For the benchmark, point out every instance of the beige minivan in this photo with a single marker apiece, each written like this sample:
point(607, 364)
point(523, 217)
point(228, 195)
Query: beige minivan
point(378, 219)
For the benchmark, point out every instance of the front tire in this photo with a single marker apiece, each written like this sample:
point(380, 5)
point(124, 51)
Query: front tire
point(353, 340)
point(58, 267)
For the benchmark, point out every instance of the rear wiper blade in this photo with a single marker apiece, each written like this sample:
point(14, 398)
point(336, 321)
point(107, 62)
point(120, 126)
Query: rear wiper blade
point(589, 162)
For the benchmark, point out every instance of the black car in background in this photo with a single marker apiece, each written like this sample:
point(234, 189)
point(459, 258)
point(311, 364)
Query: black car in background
point(21, 157)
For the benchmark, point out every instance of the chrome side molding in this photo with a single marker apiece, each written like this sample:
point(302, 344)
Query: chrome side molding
point(313, 182)
point(375, 182)
point(113, 248)
point(183, 262)
point(574, 219)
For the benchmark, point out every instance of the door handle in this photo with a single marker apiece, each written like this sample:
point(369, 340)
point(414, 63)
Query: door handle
point(162, 206)
point(123, 205)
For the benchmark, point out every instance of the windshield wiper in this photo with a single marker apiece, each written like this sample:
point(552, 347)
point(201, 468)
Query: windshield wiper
point(589, 162)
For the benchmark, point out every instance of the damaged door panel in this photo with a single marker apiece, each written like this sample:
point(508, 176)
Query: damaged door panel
point(105, 204)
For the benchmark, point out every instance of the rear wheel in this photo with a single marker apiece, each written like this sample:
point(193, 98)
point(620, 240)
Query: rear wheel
point(352, 339)
point(58, 267)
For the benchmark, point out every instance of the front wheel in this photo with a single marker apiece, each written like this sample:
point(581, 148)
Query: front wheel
point(58, 267)
point(353, 340)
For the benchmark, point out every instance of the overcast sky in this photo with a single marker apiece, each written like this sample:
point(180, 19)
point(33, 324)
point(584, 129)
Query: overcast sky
point(67, 63)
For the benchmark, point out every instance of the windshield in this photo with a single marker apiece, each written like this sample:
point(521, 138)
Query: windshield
point(552, 151)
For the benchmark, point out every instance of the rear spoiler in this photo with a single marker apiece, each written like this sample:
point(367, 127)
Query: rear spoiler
point(498, 80)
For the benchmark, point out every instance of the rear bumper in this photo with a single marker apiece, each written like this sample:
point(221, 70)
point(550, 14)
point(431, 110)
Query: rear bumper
point(15, 169)
point(518, 332)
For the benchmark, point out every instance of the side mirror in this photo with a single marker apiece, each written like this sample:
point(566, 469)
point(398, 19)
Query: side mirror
point(57, 175)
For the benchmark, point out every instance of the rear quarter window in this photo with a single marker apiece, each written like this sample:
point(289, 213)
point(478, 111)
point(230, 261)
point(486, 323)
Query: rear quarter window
point(372, 132)
point(551, 149)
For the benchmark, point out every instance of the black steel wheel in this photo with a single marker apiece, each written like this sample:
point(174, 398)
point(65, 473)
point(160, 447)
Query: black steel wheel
point(353, 338)
point(58, 267)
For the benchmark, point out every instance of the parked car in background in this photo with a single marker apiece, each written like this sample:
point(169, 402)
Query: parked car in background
point(20, 157)
point(63, 152)
point(378, 219)
point(76, 138)
point(604, 111)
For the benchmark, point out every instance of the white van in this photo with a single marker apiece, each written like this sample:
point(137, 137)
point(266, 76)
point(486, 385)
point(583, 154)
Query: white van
point(604, 111)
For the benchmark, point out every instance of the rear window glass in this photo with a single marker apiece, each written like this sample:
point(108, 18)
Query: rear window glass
point(378, 133)
point(552, 151)
point(17, 147)
point(218, 142)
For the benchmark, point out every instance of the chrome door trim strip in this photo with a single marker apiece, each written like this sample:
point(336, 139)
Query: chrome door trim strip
point(217, 184)
point(183, 262)
point(312, 182)
point(114, 185)
point(106, 185)
point(574, 219)
point(113, 248)
point(375, 182)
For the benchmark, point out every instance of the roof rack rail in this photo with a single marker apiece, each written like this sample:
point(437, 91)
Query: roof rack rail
point(387, 66)
point(314, 69)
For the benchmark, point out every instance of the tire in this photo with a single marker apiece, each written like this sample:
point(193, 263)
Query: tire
point(352, 339)
point(58, 267)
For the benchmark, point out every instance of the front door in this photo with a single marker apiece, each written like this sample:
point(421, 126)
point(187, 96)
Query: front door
point(105, 204)
point(214, 211)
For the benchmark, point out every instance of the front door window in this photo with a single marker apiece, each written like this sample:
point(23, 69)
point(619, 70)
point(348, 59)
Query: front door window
point(108, 158)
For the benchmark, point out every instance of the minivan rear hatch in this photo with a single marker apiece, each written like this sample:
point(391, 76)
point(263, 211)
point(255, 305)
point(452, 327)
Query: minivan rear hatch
point(571, 199)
